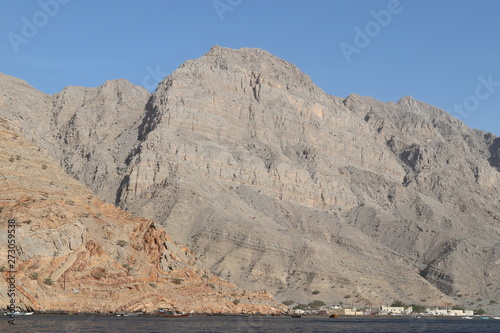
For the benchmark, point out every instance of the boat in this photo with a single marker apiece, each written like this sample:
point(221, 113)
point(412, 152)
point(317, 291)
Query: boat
point(296, 315)
point(128, 314)
point(495, 317)
point(468, 317)
point(170, 314)
point(18, 313)
point(174, 313)
point(333, 315)
point(484, 317)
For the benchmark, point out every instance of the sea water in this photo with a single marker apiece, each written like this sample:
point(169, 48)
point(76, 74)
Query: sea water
point(254, 324)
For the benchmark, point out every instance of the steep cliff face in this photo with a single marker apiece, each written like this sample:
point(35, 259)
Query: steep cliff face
point(277, 185)
point(96, 128)
point(90, 131)
point(74, 252)
point(280, 184)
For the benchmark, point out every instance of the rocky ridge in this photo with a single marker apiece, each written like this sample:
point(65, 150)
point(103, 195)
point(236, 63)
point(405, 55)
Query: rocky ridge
point(281, 186)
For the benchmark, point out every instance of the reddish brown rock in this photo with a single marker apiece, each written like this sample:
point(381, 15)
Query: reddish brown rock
point(75, 253)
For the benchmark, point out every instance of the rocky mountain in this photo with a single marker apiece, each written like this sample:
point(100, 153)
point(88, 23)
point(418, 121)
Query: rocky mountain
point(75, 253)
point(275, 184)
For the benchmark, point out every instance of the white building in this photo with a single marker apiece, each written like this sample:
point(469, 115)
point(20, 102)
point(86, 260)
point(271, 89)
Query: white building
point(450, 312)
point(396, 310)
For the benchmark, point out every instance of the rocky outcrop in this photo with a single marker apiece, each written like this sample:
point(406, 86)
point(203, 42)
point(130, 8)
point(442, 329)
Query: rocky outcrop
point(95, 129)
point(76, 253)
point(275, 184)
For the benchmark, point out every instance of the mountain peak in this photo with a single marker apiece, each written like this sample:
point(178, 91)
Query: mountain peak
point(217, 49)
point(221, 65)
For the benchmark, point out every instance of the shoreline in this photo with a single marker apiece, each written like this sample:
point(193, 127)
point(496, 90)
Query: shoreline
point(155, 314)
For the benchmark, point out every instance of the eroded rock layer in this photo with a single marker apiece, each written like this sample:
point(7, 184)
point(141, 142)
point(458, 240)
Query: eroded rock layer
point(75, 253)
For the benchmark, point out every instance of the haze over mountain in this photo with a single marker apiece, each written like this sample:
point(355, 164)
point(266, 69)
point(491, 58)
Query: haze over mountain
point(274, 184)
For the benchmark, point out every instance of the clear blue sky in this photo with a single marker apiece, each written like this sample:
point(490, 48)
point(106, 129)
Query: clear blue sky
point(443, 52)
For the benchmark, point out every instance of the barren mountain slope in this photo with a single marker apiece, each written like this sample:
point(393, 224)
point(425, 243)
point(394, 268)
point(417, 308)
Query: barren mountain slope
point(285, 186)
point(77, 253)
point(279, 185)
point(90, 131)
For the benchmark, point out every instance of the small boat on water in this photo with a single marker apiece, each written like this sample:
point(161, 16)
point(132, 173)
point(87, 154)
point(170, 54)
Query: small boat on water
point(18, 313)
point(484, 317)
point(128, 314)
point(468, 317)
point(495, 317)
point(296, 315)
point(174, 313)
point(333, 315)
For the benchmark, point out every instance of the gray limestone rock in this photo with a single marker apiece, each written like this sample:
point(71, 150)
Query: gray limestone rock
point(275, 184)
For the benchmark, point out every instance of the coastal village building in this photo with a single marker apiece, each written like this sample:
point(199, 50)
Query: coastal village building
point(347, 312)
point(395, 310)
point(449, 312)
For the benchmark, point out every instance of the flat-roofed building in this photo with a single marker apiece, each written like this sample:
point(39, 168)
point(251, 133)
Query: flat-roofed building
point(450, 312)
point(396, 310)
